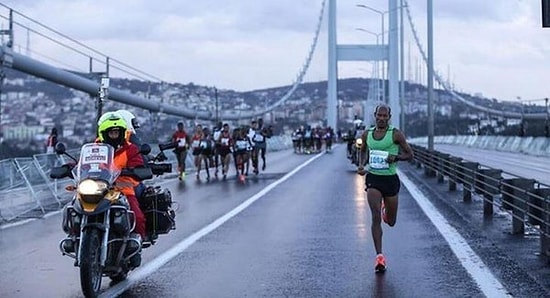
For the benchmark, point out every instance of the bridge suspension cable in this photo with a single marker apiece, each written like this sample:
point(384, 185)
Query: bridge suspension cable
point(305, 67)
point(446, 87)
point(132, 100)
point(85, 50)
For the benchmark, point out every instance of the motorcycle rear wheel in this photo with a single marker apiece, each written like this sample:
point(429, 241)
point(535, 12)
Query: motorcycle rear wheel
point(90, 269)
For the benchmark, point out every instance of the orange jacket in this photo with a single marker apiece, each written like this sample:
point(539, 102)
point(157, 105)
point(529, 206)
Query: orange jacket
point(127, 156)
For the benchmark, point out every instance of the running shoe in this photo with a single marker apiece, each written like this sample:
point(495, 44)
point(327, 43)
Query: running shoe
point(182, 176)
point(383, 209)
point(380, 264)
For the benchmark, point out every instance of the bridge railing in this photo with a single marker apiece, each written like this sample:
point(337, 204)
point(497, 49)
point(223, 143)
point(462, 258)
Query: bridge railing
point(539, 146)
point(26, 191)
point(526, 200)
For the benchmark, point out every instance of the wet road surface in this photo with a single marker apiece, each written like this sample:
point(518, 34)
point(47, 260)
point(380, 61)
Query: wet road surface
point(306, 236)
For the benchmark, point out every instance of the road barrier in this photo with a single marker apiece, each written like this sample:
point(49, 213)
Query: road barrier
point(539, 146)
point(527, 200)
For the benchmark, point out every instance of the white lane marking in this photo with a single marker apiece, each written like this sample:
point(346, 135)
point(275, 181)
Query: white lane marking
point(162, 259)
point(15, 224)
point(480, 273)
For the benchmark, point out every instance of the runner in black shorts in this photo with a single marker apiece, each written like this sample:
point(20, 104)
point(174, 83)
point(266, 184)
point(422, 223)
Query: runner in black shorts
point(385, 145)
point(225, 142)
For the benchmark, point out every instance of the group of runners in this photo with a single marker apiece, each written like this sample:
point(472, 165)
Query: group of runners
point(213, 148)
point(308, 140)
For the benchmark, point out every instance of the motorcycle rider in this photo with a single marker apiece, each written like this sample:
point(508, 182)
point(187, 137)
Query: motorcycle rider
point(112, 130)
point(358, 130)
point(132, 137)
point(133, 124)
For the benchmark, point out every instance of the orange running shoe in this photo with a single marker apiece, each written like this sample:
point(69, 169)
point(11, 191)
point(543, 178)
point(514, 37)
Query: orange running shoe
point(383, 209)
point(380, 264)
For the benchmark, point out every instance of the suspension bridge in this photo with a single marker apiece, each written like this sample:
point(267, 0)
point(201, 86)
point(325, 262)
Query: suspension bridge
point(302, 227)
point(390, 55)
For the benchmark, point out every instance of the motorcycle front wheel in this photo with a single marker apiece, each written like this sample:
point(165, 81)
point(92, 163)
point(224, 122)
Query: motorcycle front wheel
point(90, 269)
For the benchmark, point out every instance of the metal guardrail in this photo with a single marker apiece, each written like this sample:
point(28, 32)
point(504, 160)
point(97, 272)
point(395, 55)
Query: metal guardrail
point(527, 200)
point(539, 146)
point(26, 191)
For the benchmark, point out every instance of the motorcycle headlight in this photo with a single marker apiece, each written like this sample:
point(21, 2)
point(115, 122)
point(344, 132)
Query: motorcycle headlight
point(91, 191)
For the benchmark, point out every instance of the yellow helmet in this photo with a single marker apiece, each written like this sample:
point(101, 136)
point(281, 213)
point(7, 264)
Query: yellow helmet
point(109, 121)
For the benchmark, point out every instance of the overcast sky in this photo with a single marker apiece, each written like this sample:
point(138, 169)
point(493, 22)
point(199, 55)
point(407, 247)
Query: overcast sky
point(497, 48)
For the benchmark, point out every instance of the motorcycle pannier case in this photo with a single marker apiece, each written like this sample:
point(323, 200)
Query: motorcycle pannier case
point(156, 204)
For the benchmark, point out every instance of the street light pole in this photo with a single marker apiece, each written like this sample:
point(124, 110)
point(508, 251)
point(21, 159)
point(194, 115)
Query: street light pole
point(402, 68)
point(376, 65)
point(216, 98)
point(2, 77)
point(521, 125)
point(431, 121)
point(546, 127)
point(381, 13)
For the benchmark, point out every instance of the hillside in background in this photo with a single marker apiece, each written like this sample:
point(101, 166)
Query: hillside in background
point(29, 102)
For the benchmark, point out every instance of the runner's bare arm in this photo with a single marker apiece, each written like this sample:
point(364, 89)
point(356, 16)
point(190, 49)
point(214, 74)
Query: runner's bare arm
point(405, 150)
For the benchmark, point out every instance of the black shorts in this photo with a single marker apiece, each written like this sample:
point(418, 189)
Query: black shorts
point(241, 152)
point(207, 152)
point(223, 151)
point(388, 185)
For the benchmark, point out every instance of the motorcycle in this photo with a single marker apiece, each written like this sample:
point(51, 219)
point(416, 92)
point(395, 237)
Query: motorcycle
point(99, 222)
point(356, 153)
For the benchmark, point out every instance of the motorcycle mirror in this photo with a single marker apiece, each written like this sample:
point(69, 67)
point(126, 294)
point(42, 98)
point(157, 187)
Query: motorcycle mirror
point(167, 146)
point(60, 148)
point(60, 172)
point(145, 149)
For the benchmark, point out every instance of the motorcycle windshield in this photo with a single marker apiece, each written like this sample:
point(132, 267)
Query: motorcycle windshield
point(97, 163)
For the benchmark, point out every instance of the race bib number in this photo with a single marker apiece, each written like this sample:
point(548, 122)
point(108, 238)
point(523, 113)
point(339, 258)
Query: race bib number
point(225, 141)
point(258, 138)
point(181, 142)
point(241, 144)
point(195, 144)
point(377, 159)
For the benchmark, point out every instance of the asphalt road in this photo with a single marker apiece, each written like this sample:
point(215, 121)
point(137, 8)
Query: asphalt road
point(295, 230)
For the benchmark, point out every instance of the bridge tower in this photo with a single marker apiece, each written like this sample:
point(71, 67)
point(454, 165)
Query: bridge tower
point(363, 52)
